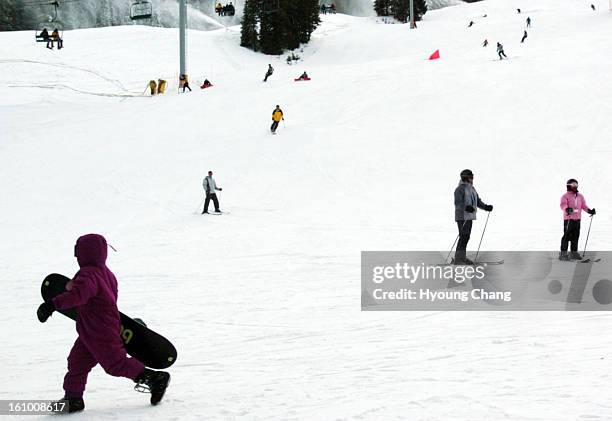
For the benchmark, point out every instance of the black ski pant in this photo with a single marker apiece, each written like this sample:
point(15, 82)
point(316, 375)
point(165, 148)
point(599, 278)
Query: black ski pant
point(274, 126)
point(267, 76)
point(212, 196)
point(571, 233)
point(465, 229)
point(501, 53)
point(523, 39)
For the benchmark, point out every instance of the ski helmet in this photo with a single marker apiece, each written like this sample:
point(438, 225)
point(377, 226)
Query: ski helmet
point(572, 184)
point(465, 174)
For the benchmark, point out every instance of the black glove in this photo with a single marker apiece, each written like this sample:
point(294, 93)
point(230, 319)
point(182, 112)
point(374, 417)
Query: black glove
point(45, 310)
point(591, 211)
point(569, 211)
point(220, 189)
point(470, 209)
point(488, 208)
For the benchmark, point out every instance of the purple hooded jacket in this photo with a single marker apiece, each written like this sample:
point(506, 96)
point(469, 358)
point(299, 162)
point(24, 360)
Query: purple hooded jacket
point(93, 291)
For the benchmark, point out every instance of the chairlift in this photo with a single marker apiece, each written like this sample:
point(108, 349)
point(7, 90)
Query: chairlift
point(141, 9)
point(224, 10)
point(50, 27)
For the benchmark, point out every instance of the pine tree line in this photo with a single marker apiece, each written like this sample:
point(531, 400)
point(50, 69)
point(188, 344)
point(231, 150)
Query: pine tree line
point(273, 26)
point(14, 17)
point(400, 9)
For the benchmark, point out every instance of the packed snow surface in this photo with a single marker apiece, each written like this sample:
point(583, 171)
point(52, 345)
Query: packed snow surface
point(263, 304)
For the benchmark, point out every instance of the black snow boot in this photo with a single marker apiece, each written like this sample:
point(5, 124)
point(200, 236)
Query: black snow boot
point(153, 382)
point(73, 404)
point(462, 261)
point(563, 255)
point(575, 255)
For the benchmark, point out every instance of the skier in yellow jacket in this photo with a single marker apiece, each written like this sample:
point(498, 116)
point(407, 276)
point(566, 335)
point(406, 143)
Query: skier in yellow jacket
point(277, 116)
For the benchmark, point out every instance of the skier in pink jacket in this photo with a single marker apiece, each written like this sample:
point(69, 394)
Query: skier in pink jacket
point(93, 292)
point(572, 204)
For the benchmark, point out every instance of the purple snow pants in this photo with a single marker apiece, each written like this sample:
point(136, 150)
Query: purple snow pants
point(81, 360)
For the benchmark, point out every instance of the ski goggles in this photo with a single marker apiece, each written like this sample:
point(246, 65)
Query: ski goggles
point(574, 184)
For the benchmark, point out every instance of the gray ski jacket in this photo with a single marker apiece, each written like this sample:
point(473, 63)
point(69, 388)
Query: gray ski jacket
point(209, 185)
point(466, 195)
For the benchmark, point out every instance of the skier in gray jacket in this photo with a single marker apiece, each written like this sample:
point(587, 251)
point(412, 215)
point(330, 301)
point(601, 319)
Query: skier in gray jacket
point(210, 187)
point(500, 51)
point(466, 203)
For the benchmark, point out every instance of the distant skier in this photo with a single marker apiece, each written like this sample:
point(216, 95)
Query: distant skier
point(333, 8)
point(93, 292)
point(528, 22)
point(500, 51)
point(184, 83)
point(471, 24)
point(518, 11)
point(593, 7)
point(572, 204)
point(269, 72)
point(466, 202)
point(210, 186)
point(206, 84)
point(304, 76)
point(153, 87)
point(524, 37)
point(277, 116)
point(485, 43)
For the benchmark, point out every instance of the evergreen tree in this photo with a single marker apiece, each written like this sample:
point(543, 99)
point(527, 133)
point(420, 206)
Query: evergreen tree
point(401, 10)
point(13, 17)
point(420, 8)
point(283, 24)
point(382, 7)
point(272, 30)
point(249, 37)
point(309, 16)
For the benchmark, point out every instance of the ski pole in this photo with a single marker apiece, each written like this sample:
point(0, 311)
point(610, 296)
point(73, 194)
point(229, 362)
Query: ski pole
point(587, 239)
point(482, 236)
point(455, 242)
point(199, 206)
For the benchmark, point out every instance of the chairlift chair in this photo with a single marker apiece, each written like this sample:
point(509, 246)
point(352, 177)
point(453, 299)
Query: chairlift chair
point(50, 28)
point(141, 9)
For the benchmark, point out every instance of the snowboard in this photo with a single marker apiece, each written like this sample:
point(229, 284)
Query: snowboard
point(300, 79)
point(147, 346)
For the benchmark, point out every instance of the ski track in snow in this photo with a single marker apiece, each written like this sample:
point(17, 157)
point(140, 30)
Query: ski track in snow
point(263, 304)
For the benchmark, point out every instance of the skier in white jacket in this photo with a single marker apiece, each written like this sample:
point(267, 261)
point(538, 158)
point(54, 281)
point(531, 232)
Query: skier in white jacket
point(210, 187)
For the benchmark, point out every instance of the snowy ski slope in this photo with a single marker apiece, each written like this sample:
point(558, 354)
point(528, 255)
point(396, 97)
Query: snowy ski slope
point(263, 304)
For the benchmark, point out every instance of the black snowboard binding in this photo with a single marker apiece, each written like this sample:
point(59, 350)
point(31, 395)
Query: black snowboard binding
point(153, 382)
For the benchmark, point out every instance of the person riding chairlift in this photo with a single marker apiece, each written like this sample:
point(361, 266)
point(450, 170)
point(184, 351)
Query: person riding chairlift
point(44, 34)
point(55, 36)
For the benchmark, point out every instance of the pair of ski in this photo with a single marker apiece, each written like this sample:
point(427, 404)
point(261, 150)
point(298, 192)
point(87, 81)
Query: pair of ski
point(587, 260)
point(490, 263)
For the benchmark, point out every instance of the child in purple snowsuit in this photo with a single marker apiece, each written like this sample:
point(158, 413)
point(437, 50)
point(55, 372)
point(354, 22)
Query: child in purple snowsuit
point(93, 292)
